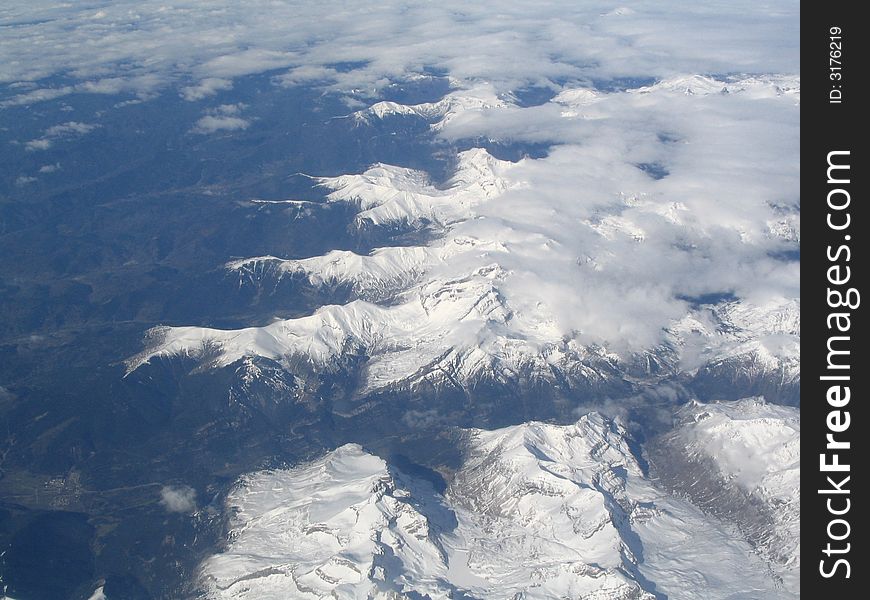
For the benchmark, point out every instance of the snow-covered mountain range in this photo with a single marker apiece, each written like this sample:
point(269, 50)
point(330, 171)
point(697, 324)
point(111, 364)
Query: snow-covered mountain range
point(602, 269)
point(533, 511)
point(401, 300)
point(516, 278)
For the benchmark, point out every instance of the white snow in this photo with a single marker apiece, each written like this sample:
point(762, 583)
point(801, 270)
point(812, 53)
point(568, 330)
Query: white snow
point(755, 446)
point(440, 113)
point(377, 274)
point(339, 527)
point(765, 337)
point(541, 511)
point(98, 594)
point(389, 195)
point(756, 87)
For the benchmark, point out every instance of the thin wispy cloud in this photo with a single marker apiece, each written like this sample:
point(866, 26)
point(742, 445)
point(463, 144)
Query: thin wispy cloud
point(58, 132)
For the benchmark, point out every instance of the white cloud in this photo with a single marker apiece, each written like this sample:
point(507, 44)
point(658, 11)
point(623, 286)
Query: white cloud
point(49, 168)
point(145, 45)
point(59, 132)
point(39, 95)
point(23, 180)
point(143, 86)
point(230, 109)
point(69, 128)
point(222, 118)
point(179, 499)
point(306, 74)
point(211, 124)
point(246, 62)
point(205, 88)
point(38, 144)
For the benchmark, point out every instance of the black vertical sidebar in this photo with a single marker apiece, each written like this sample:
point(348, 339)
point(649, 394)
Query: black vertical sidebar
point(835, 422)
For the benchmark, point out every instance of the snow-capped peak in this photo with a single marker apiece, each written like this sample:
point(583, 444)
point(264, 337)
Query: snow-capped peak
point(439, 113)
point(392, 195)
point(339, 527)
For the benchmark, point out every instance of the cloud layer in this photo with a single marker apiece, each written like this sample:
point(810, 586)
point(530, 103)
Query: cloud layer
point(144, 46)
